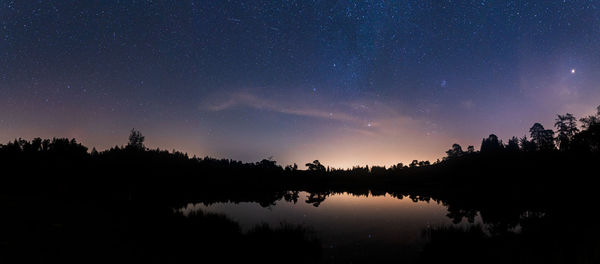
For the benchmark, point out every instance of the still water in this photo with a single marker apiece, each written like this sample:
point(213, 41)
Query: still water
point(350, 227)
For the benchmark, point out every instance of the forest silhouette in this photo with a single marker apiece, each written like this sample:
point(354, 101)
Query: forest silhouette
point(63, 202)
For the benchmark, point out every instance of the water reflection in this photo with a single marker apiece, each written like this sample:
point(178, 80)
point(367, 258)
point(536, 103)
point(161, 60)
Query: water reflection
point(349, 226)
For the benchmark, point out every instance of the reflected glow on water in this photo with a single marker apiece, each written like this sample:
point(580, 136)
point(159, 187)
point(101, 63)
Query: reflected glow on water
point(344, 221)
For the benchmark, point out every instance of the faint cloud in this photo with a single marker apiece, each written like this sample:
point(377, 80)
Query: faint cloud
point(367, 117)
point(249, 100)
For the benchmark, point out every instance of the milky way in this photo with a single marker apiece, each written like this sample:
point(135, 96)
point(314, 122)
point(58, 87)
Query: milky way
point(345, 82)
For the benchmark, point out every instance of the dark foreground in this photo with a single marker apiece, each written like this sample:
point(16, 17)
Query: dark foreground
point(61, 204)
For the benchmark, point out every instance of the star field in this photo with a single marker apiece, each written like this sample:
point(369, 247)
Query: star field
point(345, 82)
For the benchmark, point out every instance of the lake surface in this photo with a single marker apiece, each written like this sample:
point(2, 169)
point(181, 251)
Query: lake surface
point(349, 227)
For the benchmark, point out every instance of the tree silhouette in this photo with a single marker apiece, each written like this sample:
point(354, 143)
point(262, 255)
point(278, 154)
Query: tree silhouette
point(36, 144)
point(315, 166)
point(513, 144)
point(491, 144)
point(267, 164)
point(398, 166)
point(414, 164)
point(291, 168)
point(94, 152)
point(589, 137)
point(591, 120)
point(455, 151)
point(470, 149)
point(566, 126)
point(136, 140)
point(543, 138)
point(526, 144)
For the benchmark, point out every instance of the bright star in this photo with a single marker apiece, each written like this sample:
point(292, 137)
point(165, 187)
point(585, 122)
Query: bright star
point(572, 71)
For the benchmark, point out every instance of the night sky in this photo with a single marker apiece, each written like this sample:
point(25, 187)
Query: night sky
point(345, 82)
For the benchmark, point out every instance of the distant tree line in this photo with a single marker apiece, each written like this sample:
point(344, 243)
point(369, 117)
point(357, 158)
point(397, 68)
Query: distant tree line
point(567, 137)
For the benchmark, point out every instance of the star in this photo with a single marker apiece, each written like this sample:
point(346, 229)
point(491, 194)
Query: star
point(572, 71)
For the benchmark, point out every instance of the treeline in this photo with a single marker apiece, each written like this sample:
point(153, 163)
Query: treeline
point(567, 137)
point(134, 170)
point(68, 153)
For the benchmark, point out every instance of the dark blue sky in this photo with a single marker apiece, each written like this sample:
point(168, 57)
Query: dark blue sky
point(346, 82)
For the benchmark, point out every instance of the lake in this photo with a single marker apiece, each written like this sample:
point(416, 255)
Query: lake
point(350, 227)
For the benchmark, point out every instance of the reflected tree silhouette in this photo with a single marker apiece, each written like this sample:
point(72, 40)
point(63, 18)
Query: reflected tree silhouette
point(317, 198)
